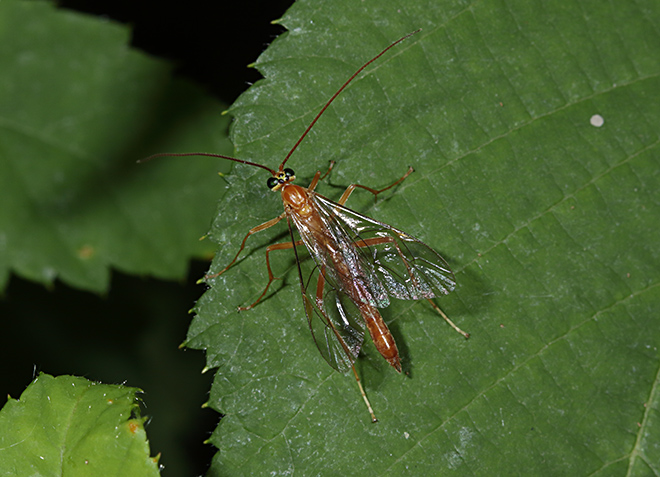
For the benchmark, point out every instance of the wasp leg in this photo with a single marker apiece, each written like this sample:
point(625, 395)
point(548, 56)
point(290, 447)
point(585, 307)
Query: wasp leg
point(271, 277)
point(256, 229)
point(349, 190)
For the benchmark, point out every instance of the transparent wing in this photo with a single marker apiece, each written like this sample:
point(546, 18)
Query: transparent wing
point(345, 267)
point(335, 322)
point(358, 259)
point(403, 266)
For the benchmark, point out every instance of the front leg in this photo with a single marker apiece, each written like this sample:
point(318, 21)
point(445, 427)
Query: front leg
point(254, 230)
point(349, 190)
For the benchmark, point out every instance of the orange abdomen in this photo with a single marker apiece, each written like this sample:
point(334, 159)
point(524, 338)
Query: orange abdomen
point(381, 335)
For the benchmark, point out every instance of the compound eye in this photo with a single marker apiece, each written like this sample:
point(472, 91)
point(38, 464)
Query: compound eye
point(272, 182)
point(289, 172)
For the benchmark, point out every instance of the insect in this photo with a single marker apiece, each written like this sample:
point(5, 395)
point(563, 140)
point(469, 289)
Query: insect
point(358, 262)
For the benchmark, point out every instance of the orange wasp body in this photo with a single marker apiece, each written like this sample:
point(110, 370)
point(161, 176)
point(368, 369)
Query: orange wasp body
point(340, 264)
point(358, 262)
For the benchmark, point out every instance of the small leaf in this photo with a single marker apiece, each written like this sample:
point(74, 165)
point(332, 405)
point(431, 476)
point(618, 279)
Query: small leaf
point(70, 426)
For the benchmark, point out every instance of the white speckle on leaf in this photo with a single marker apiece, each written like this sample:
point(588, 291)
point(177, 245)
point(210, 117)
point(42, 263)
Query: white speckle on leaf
point(455, 457)
point(597, 120)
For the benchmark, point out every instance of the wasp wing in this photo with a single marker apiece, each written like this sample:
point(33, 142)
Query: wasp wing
point(331, 243)
point(359, 259)
point(335, 321)
point(404, 266)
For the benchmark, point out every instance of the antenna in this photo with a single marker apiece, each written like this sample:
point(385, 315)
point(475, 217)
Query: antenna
point(340, 90)
point(295, 146)
point(208, 154)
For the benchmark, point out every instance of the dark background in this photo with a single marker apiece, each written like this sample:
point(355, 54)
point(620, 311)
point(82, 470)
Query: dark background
point(132, 334)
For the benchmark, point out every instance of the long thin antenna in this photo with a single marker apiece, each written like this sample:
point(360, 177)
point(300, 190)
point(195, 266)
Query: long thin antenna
point(209, 154)
point(340, 90)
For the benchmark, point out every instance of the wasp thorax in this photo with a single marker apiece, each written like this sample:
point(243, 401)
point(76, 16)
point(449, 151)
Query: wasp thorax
point(280, 178)
point(297, 198)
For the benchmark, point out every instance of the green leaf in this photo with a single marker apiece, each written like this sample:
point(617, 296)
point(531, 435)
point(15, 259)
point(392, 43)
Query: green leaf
point(70, 426)
point(550, 223)
point(77, 109)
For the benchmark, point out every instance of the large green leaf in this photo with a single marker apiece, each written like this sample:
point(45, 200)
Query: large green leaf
point(78, 107)
point(550, 223)
point(71, 426)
